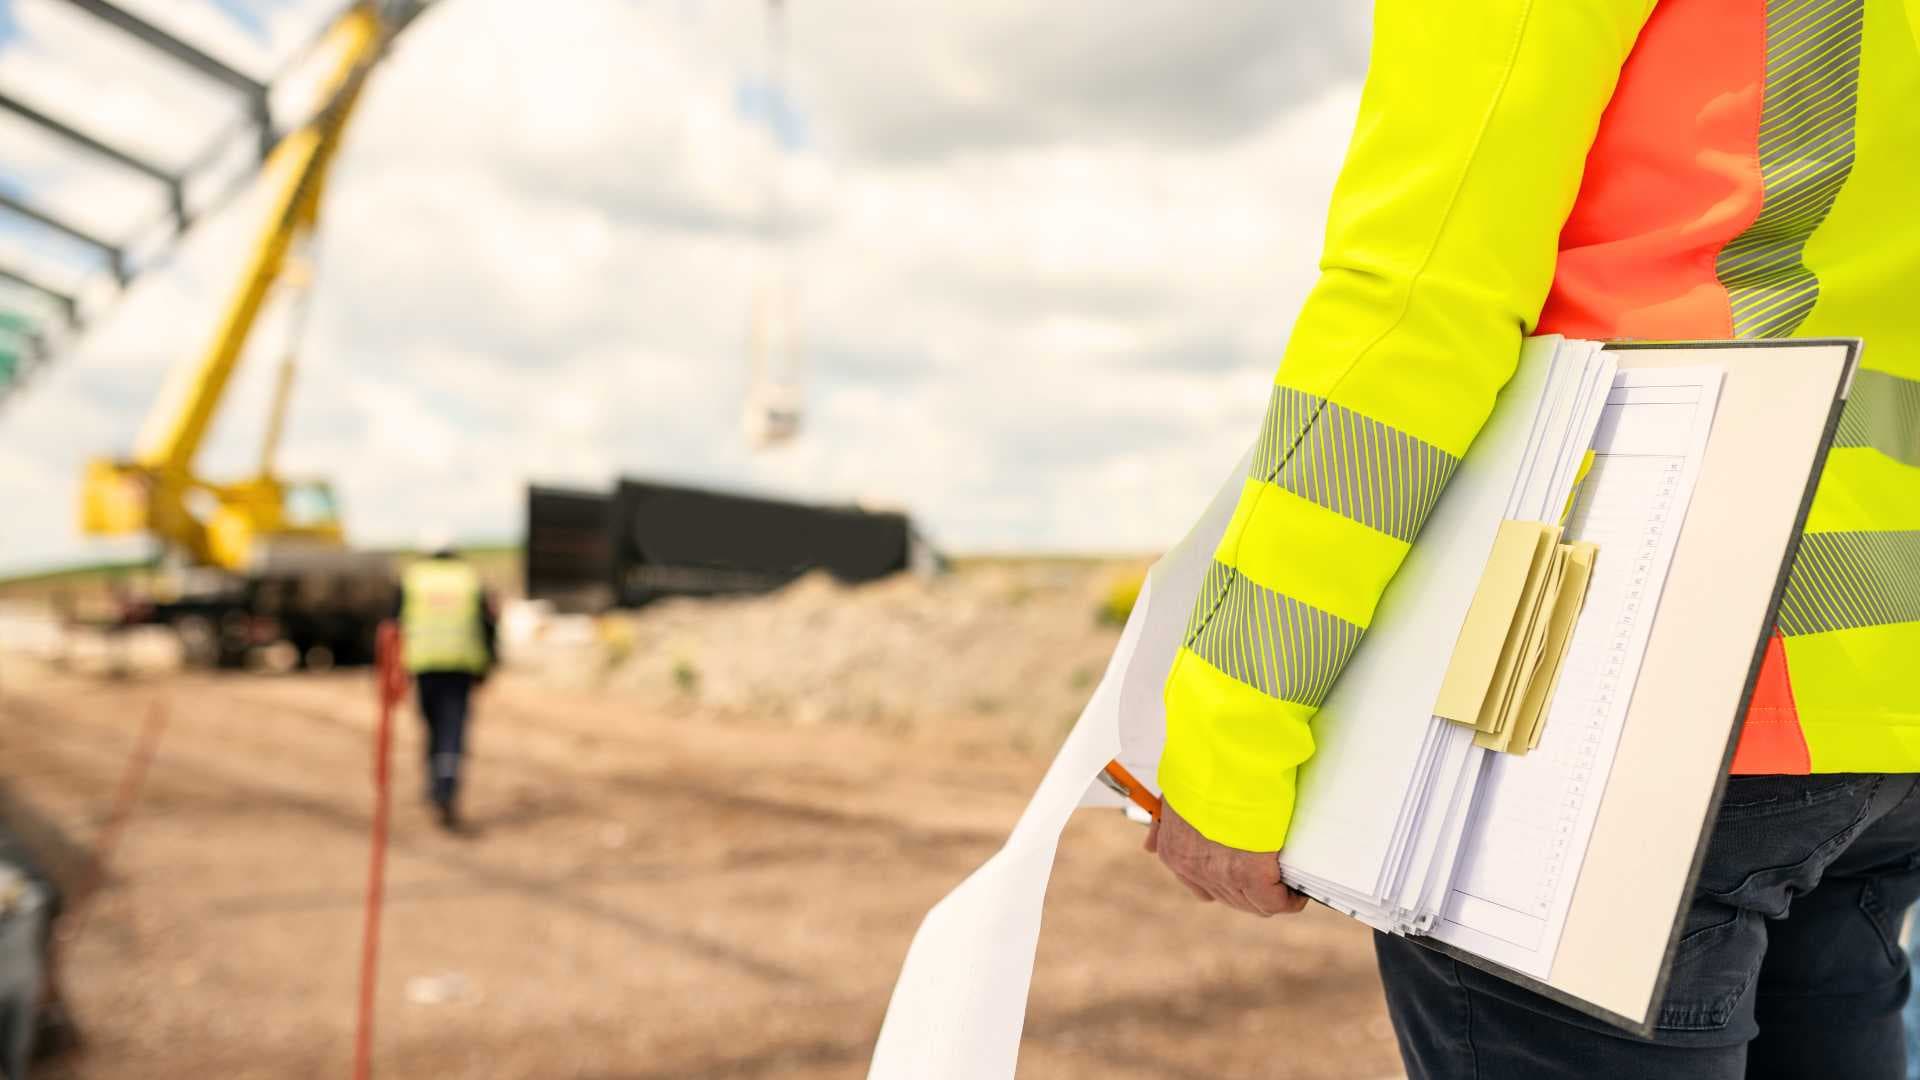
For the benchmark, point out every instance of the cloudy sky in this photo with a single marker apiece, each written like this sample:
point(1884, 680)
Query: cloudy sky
point(1041, 257)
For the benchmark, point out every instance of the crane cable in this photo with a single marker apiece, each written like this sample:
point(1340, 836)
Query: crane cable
point(776, 370)
point(296, 287)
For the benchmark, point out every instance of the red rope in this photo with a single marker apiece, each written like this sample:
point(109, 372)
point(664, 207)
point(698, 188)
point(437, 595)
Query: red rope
point(94, 874)
point(391, 682)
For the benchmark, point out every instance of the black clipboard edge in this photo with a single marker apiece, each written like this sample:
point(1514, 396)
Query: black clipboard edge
point(1644, 1026)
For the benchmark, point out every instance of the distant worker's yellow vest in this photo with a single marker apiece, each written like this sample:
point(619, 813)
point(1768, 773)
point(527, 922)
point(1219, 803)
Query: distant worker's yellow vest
point(440, 621)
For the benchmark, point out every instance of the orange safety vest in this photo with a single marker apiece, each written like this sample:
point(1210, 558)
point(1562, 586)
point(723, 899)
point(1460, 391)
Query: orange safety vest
point(1755, 176)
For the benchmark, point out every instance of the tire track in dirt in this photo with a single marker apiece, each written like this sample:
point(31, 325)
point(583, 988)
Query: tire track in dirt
point(906, 840)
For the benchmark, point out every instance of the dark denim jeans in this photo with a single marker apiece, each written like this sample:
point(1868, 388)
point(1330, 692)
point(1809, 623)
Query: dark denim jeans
point(1790, 964)
point(444, 696)
point(1912, 1014)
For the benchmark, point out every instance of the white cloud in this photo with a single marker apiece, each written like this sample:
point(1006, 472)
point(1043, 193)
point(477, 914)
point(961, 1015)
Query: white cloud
point(1047, 256)
point(911, 83)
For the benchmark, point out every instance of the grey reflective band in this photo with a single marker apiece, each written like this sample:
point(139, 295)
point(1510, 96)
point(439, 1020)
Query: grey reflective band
point(1846, 580)
point(1271, 642)
point(1806, 154)
point(1883, 412)
point(1289, 411)
point(1349, 463)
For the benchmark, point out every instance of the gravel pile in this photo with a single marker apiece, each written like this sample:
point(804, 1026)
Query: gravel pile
point(1009, 649)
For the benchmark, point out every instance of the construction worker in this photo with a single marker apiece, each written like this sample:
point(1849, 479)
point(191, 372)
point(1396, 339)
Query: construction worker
point(447, 635)
point(1603, 169)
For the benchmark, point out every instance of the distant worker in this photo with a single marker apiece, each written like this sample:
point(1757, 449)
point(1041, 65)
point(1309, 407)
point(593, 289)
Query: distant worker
point(1602, 169)
point(447, 633)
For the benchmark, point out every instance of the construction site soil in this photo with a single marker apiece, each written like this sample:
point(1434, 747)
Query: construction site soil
point(701, 838)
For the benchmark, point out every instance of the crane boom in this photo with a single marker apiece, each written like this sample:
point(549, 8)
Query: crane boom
point(298, 168)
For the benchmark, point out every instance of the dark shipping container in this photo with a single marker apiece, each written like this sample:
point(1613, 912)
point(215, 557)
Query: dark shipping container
point(569, 549)
point(650, 540)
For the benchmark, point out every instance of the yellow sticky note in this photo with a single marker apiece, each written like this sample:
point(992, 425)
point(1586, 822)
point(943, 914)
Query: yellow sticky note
point(1489, 622)
point(1579, 478)
point(1528, 660)
point(1573, 594)
point(1498, 706)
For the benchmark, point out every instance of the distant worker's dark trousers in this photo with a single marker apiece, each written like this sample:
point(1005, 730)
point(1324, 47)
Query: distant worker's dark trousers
point(443, 703)
point(1790, 962)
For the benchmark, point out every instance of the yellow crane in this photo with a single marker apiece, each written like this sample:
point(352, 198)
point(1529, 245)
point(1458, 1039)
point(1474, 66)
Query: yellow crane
point(261, 559)
point(235, 524)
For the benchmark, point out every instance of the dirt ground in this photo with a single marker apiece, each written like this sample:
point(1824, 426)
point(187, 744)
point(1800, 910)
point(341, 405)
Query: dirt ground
point(659, 885)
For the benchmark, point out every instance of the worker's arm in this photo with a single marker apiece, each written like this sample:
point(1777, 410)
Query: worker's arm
point(490, 629)
point(1473, 132)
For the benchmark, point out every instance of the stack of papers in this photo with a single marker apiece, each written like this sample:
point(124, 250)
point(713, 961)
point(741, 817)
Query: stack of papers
point(1470, 845)
point(1514, 875)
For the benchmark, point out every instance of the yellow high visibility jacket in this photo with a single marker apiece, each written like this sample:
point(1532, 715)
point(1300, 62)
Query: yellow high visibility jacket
point(1605, 169)
point(441, 618)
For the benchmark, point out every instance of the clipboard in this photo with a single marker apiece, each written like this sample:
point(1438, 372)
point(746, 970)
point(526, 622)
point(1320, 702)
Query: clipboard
point(958, 1007)
point(1779, 408)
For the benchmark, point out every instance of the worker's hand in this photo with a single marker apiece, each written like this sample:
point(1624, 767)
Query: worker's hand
point(1247, 880)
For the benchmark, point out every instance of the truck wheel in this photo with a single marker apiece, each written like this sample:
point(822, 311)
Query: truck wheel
point(317, 658)
point(199, 640)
